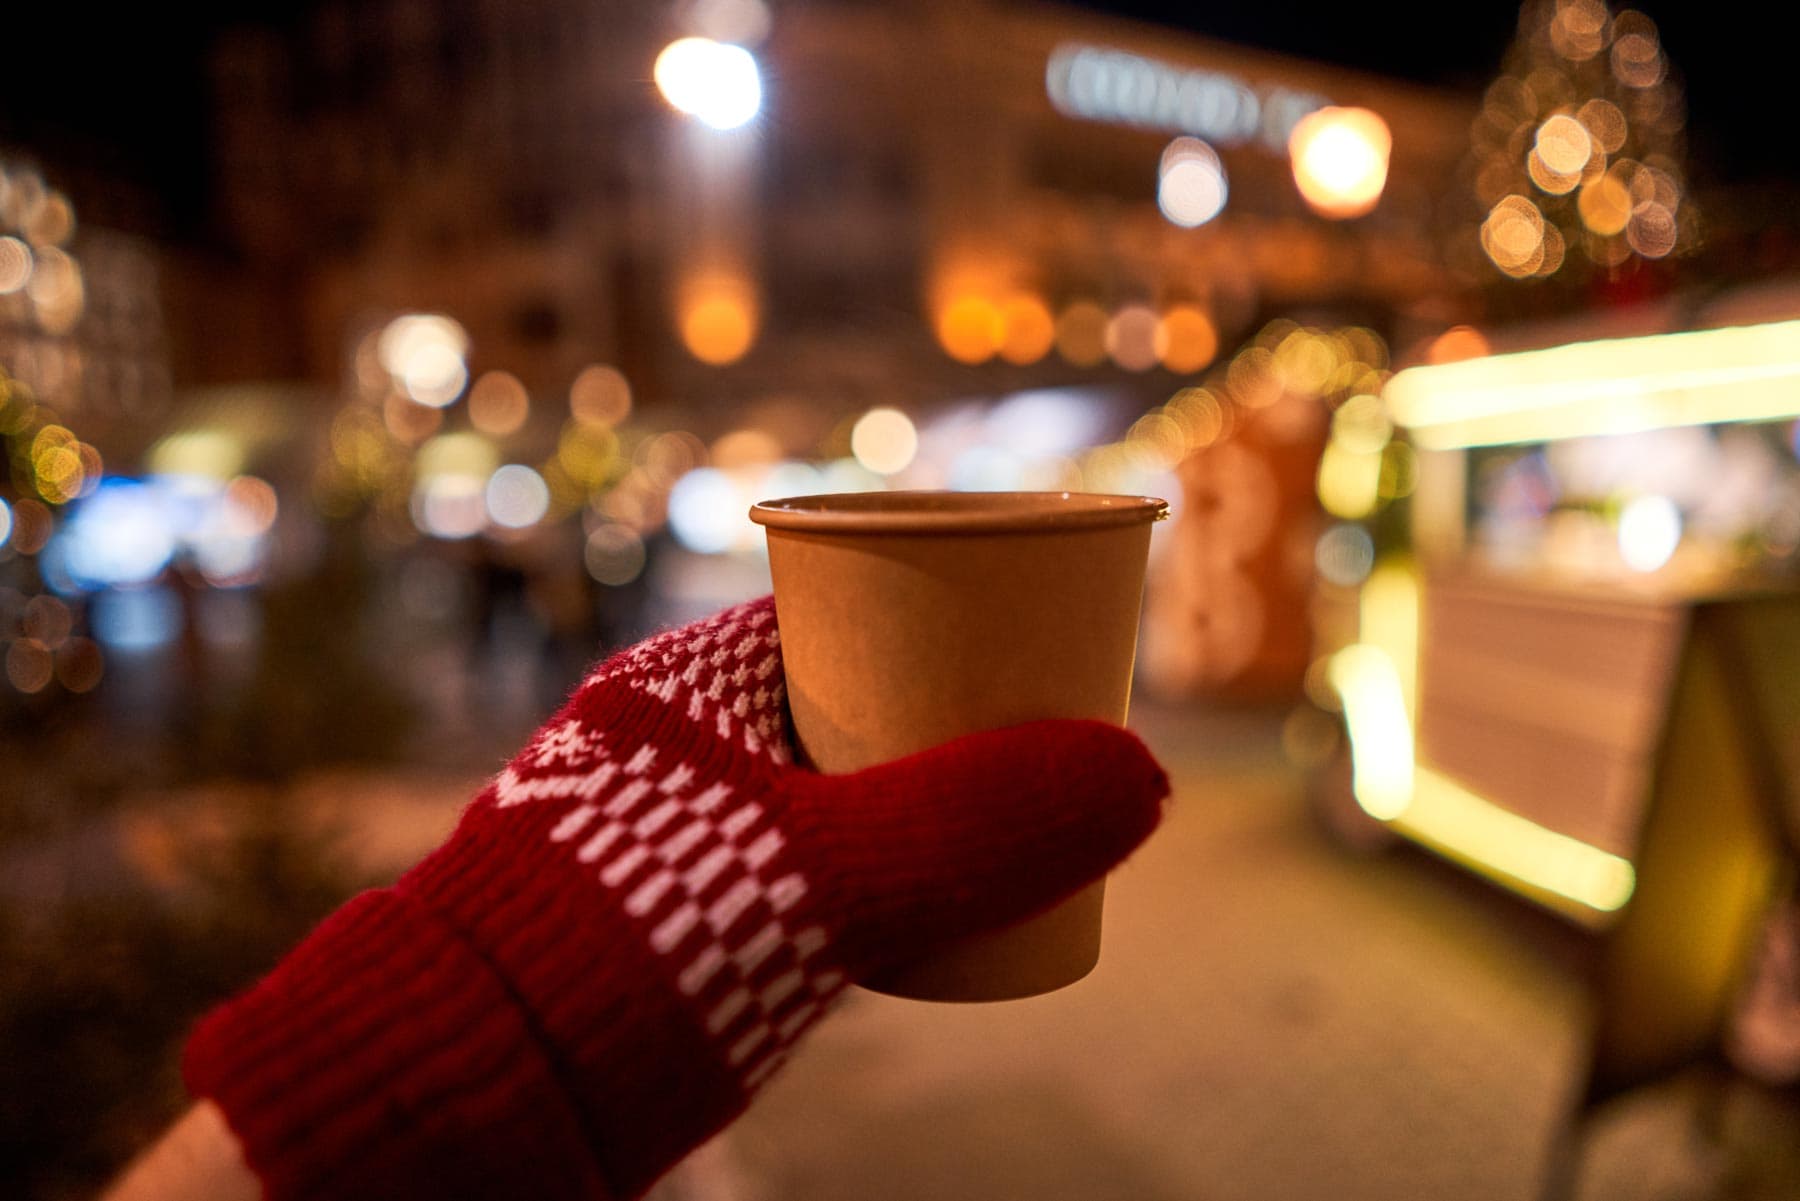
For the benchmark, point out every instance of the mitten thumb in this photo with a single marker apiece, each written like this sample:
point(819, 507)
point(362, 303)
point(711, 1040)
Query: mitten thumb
point(975, 835)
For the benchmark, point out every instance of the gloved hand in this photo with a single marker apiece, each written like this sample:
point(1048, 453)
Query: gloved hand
point(633, 924)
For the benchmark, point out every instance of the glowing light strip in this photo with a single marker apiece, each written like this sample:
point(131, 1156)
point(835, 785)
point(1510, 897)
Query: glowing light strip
point(1387, 616)
point(1392, 787)
point(1746, 373)
point(1381, 738)
point(1474, 829)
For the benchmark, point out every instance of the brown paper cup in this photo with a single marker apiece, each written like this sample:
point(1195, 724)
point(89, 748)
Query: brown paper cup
point(911, 618)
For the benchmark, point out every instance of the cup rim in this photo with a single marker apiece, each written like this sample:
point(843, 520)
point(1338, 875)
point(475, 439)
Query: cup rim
point(934, 512)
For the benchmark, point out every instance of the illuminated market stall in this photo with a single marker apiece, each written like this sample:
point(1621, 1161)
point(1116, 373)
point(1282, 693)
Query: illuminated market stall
point(1582, 677)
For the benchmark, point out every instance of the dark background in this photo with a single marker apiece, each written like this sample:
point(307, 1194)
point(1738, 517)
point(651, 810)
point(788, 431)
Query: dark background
point(121, 93)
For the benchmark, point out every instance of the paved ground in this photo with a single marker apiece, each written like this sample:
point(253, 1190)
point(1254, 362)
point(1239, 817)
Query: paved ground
point(1274, 1016)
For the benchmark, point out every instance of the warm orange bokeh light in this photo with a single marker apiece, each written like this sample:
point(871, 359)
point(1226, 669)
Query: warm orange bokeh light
point(1027, 330)
point(1564, 144)
point(254, 505)
point(1131, 337)
point(407, 420)
point(1081, 334)
point(718, 325)
point(47, 620)
point(600, 395)
point(1605, 205)
point(1514, 237)
point(970, 329)
point(79, 665)
point(31, 526)
point(28, 665)
point(498, 403)
point(744, 448)
point(1186, 339)
point(1457, 343)
point(15, 265)
point(1340, 158)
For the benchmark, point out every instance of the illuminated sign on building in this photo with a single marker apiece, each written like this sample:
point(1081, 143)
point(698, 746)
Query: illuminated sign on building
point(1113, 85)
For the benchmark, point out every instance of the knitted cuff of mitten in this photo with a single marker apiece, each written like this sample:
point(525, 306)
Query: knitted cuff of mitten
point(383, 1058)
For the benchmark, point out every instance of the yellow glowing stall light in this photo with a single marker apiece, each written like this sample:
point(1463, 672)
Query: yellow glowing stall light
point(1361, 424)
point(1376, 679)
point(1554, 869)
point(1381, 736)
point(1626, 385)
point(1388, 619)
point(1498, 842)
point(1340, 158)
point(1349, 481)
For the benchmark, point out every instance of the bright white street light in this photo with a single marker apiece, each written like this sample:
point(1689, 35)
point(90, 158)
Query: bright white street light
point(714, 81)
point(426, 355)
point(1191, 189)
point(1340, 158)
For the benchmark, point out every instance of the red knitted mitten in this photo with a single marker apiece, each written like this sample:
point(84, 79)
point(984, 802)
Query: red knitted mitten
point(632, 925)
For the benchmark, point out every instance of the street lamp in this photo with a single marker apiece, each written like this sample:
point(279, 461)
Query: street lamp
point(1191, 189)
point(716, 82)
point(1340, 160)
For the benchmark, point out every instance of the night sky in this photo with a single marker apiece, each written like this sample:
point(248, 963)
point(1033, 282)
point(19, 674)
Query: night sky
point(1738, 70)
point(123, 95)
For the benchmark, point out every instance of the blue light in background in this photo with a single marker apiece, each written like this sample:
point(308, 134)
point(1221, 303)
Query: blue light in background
point(135, 619)
point(122, 535)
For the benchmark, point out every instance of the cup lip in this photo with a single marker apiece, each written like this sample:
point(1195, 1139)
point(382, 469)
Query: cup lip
point(932, 512)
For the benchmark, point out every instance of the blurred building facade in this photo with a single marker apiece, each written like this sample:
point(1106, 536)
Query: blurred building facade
point(912, 215)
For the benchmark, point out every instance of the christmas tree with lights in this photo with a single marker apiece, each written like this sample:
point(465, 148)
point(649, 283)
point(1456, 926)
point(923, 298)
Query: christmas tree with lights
point(1577, 151)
